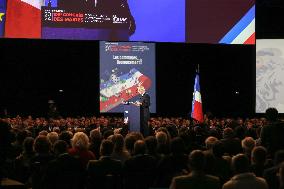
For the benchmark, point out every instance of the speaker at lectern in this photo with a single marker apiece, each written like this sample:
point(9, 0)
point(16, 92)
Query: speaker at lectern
point(132, 116)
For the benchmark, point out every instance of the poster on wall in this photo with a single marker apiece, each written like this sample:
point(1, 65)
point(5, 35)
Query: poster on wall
point(124, 68)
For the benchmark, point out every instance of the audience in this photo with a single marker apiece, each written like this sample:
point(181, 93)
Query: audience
point(100, 152)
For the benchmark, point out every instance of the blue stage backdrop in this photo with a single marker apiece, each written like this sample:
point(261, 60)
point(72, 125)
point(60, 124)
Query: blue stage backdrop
point(124, 66)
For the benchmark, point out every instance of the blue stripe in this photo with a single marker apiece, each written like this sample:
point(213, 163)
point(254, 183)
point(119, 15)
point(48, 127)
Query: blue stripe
point(239, 27)
point(196, 84)
point(2, 4)
point(196, 88)
point(2, 22)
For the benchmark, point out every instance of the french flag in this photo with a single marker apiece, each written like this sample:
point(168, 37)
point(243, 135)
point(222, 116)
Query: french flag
point(23, 18)
point(197, 112)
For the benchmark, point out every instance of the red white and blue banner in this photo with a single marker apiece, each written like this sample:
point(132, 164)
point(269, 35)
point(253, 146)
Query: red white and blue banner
point(243, 32)
point(197, 112)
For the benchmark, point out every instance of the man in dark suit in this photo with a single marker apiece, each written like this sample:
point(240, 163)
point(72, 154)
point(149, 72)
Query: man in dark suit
point(144, 103)
point(105, 172)
point(65, 171)
point(197, 179)
point(140, 169)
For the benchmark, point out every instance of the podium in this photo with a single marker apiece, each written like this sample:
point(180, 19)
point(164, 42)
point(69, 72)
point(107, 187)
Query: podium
point(132, 116)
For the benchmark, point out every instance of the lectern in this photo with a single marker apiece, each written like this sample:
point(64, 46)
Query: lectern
point(132, 116)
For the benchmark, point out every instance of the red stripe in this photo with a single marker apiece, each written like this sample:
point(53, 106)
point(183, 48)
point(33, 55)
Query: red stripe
point(22, 20)
point(197, 112)
point(250, 40)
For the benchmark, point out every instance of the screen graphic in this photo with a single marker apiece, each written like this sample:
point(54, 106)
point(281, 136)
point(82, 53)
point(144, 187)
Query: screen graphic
point(269, 74)
point(124, 67)
point(221, 21)
point(117, 20)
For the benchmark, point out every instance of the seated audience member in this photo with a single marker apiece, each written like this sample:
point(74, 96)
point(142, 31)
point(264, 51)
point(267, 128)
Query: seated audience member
point(196, 179)
point(95, 139)
point(243, 178)
point(140, 165)
point(65, 171)
point(80, 146)
point(270, 174)
point(151, 143)
point(17, 146)
point(52, 137)
point(210, 167)
point(217, 164)
point(40, 162)
point(119, 153)
point(43, 133)
point(130, 140)
point(258, 160)
point(105, 172)
point(281, 176)
point(248, 144)
point(163, 144)
point(66, 136)
point(232, 145)
point(23, 161)
point(172, 165)
point(209, 143)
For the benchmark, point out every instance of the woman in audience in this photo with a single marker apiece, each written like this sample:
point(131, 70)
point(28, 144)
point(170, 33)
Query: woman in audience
point(80, 146)
point(23, 161)
point(119, 153)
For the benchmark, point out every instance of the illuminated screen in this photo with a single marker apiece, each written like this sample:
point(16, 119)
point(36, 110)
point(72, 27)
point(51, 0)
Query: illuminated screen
point(124, 67)
point(193, 21)
point(269, 74)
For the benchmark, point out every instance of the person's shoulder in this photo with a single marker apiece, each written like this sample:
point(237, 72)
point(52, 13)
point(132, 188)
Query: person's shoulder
point(261, 180)
point(212, 178)
point(182, 178)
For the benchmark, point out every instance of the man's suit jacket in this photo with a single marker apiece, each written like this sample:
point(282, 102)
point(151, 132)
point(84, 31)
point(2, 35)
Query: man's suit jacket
point(104, 173)
point(190, 181)
point(275, 143)
point(139, 171)
point(145, 100)
point(65, 171)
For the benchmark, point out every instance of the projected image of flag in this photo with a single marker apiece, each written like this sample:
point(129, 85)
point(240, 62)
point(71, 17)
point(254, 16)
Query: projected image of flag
point(197, 112)
point(23, 19)
point(2, 16)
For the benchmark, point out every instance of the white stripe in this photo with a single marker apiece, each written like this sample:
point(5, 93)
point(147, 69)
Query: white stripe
point(197, 96)
point(35, 3)
point(245, 34)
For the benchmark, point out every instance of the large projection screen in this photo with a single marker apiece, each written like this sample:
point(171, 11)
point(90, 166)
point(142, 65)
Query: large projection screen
point(125, 66)
point(190, 21)
point(269, 74)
